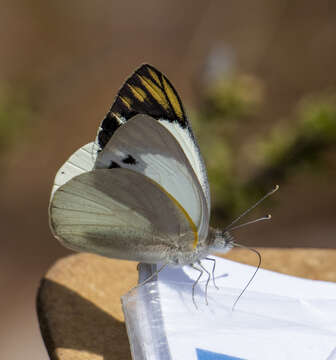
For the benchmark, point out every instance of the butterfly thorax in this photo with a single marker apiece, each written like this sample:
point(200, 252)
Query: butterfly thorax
point(217, 241)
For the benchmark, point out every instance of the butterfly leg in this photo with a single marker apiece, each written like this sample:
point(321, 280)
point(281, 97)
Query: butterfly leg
point(213, 271)
point(195, 283)
point(151, 277)
point(207, 283)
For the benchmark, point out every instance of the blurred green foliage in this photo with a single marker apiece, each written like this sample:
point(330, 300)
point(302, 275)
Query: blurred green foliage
point(15, 112)
point(233, 97)
point(227, 105)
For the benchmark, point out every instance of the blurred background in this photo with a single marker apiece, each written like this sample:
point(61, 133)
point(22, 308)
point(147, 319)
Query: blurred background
point(257, 80)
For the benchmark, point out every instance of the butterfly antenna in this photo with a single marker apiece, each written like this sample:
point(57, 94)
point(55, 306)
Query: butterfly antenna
point(252, 277)
point(267, 217)
point(229, 227)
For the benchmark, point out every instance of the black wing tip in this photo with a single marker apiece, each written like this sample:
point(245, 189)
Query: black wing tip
point(146, 65)
point(146, 69)
point(127, 105)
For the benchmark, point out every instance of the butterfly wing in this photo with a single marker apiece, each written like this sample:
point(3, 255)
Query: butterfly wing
point(81, 161)
point(146, 146)
point(119, 213)
point(149, 92)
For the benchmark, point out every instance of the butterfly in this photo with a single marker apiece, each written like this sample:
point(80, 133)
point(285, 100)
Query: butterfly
point(140, 191)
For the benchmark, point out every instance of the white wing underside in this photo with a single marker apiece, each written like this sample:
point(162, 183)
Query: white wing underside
point(119, 213)
point(192, 153)
point(81, 161)
point(191, 150)
point(156, 154)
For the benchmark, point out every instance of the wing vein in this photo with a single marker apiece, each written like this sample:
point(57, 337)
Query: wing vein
point(76, 166)
point(90, 212)
point(85, 198)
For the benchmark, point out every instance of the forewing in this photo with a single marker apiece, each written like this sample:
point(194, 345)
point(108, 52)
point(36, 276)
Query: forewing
point(149, 92)
point(146, 146)
point(119, 213)
point(81, 161)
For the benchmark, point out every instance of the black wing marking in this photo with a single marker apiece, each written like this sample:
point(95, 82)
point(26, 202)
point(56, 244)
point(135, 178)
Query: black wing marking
point(149, 92)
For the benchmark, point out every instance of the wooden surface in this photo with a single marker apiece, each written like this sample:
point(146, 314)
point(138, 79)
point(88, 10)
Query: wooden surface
point(79, 307)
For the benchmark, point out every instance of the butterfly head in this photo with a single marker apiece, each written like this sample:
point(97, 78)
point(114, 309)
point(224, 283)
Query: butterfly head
point(220, 241)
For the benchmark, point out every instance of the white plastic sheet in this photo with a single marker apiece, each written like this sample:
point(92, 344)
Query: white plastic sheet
point(278, 317)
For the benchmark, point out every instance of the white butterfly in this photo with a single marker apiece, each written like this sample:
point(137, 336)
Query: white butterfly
point(140, 191)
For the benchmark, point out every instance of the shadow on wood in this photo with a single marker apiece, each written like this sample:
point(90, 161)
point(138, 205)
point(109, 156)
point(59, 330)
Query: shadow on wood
point(70, 323)
point(79, 309)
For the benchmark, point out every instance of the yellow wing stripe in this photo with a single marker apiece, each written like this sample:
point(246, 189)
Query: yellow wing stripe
point(153, 75)
point(126, 101)
point(190, 220)
point(155, 91)
point(138, 93)
point(192, 224)
point(173, 99)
